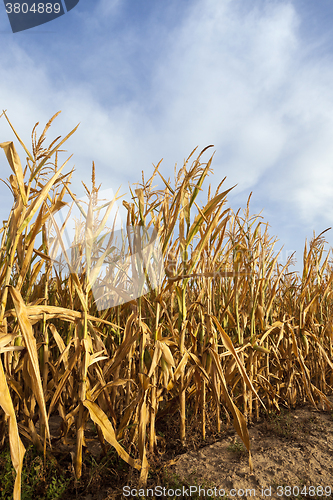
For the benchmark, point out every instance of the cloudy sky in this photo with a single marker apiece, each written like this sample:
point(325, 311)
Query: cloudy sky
point(153, 79)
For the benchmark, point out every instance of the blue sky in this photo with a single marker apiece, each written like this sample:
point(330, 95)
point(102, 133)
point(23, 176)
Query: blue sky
point(153, 79)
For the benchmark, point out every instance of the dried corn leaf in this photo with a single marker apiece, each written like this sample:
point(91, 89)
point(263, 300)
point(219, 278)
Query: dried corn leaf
point(30, 342)
point(15, 164)
point(99, 417)
point(17, 449)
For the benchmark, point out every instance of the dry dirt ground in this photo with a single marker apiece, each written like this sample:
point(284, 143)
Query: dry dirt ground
point(292, 449)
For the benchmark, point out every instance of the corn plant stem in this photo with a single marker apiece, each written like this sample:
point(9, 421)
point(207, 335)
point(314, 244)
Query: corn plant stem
point(251, 377)
point(45, 364)
point(244, 387)
point(218, 408)
point(154, 407)
point(182, 397)
point(203, 409)
point(82, 393)
point(8, 276)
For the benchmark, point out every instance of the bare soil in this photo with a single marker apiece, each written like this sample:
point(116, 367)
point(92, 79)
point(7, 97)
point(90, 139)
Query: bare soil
point(292, 449)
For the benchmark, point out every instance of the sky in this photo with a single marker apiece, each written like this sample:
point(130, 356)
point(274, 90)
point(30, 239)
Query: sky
point(154, 79)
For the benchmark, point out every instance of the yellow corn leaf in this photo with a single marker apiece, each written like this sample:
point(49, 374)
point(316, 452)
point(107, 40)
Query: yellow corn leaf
point(140, 195)
point(15, 164)
point(166, 369)
point(306, 378)
point(181, 367)
point(203, 242)
point(30, 342)
point(124, 347)
point(37, 312)
point(276, 324)
point(5, 339)
point(172, 222)
point(114, 383)
point(206, 212)
point(94, 358)
point(199, 365)
point(229, 345)
point(201, 179)
point(107, 213)
point(27, 259)
point(88, 237)
point(166, 353)
point(17, 449)
point(59, 341)
point(257, 347)
point(64, 355)
point(97, 267)
point(239, 420)
point(318, 344)
point(12, 348)
point(126, 417)
point(64, 378)
point(328, 404)
point(38, 201)
point(156, 357)
point(19, 139)
point(143, 420)
point(99, 417)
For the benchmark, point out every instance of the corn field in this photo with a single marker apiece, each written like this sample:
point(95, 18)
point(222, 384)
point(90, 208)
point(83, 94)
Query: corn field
point(225, 330)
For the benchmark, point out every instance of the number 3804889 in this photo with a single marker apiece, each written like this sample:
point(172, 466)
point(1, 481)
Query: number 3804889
point(36, 8)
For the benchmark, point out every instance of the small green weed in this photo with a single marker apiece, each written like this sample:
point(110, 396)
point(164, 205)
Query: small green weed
point(281, 423)
point(38, 481)
point(238, 448)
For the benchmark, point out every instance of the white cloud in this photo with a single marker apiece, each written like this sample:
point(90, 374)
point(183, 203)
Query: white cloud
point(239, 77)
